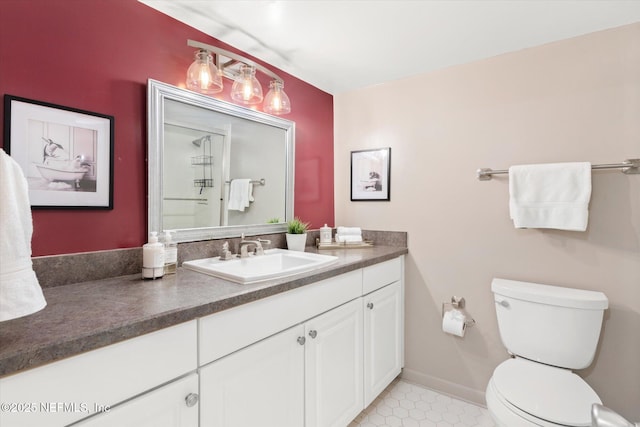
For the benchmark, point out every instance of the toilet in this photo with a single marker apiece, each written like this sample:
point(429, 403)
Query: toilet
point(549, 331)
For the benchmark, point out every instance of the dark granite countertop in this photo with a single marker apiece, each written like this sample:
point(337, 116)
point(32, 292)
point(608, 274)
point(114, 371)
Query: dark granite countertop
point(85, 316)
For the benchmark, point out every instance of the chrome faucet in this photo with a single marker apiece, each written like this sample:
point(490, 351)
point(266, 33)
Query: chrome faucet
point(258, 250)
point(244, 252)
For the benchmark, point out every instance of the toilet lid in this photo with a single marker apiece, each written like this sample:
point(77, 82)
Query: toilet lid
point(553, 394)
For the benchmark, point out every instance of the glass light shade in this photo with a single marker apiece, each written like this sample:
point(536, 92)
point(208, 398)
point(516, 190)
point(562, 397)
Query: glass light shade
point(203, 76)
point(246, 88)
point(277, 101)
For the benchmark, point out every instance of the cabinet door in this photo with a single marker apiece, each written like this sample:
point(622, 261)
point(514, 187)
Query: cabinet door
point(333, 366)
point(383, 329)
point(260, 385)
point(173, 405)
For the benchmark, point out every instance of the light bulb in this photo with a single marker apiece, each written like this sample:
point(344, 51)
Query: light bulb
point(277, 101)
point(247, 88)
point(205, 77)
point(202, 75)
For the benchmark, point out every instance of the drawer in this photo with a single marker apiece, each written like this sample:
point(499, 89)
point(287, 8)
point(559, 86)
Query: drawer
point(164, 406)
point(71, 389)
point(379, 275)
point(230, 330)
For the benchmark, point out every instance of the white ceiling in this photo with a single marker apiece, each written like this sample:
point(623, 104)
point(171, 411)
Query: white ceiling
point(342, 45)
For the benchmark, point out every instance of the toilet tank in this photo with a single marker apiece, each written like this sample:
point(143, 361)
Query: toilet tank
point(549, 324)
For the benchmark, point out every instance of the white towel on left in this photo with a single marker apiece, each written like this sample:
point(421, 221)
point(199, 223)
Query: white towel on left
point(20, 292)
point(239, 194)
point(553, 195)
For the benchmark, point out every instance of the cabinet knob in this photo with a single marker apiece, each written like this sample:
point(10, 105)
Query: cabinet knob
point(370, 306)
point(191, 399)
point(313, 333)
point(301, 340)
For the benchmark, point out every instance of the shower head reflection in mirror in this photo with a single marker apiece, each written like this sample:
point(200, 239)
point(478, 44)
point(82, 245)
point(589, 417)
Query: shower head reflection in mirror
point(198, 142)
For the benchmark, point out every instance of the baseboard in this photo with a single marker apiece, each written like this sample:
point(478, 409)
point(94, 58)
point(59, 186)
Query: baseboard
point(445, 387)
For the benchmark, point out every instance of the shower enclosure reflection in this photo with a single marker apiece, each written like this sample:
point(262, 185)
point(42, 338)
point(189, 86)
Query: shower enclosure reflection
point(193, 192)
point(216, 169)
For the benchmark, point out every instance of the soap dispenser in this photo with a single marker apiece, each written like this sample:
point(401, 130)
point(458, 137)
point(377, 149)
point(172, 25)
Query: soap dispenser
point(325, 234)
point(153, 258)
point(170, 254)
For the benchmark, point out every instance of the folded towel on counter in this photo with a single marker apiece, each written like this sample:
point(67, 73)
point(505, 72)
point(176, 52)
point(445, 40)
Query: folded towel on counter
point(349, 231)
point(554, 195)
point(20, 292)
point(341, 238)
point(239, 194)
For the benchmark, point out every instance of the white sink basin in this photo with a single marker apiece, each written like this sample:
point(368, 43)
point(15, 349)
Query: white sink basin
point(275, 263)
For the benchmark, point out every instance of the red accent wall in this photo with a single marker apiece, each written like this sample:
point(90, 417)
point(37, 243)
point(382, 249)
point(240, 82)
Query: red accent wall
point(97, 55)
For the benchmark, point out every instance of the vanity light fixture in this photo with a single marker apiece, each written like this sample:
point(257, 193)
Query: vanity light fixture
point(246, 88)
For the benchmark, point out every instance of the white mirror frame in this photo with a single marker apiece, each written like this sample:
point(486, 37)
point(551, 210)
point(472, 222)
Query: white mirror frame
point(157, 93)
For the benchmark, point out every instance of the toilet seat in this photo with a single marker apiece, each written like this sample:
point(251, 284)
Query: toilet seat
point(505, 414)
point(545, 392)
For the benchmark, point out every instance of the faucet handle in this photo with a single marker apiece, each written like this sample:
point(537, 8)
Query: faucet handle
point(226, 253)
point(259, 248)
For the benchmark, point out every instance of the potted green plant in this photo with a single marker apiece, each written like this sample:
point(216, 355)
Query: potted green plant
point(297, 234)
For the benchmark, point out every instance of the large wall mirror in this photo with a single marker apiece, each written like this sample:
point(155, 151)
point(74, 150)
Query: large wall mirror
point(216, 169)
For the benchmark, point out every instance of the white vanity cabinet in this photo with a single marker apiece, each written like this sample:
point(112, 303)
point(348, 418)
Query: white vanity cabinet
point(308, 375)
point(262, 353)
point(314, 356)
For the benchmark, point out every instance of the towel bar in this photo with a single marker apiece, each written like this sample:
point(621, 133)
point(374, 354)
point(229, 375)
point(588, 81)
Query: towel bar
point(260, 181)
point(629, 166)
point(185, 199)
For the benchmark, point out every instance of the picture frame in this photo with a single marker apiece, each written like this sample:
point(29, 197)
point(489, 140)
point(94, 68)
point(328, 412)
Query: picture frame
point(66, 154)
point(371, 175)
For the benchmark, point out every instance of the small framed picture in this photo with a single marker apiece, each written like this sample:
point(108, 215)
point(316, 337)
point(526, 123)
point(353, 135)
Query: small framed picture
point(371, 175)
point(66, 154)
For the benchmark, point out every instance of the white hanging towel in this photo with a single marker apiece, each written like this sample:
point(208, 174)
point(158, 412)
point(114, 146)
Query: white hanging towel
point(20, 292)
point(239, 194)
point(553, 195)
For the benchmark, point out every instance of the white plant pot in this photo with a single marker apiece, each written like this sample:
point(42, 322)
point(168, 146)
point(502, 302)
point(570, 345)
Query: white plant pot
point(296, 242)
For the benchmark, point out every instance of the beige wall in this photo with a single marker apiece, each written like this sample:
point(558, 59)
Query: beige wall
point(574, 100)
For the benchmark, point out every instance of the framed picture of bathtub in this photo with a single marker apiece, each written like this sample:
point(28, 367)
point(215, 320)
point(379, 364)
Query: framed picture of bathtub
point(66, 154)
point(371, 175)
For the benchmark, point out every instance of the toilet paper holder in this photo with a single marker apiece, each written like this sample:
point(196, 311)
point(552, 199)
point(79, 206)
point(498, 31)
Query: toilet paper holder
point(458, 303)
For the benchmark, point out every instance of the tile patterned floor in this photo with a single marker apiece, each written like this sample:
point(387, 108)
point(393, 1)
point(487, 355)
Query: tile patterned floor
point(403, 404)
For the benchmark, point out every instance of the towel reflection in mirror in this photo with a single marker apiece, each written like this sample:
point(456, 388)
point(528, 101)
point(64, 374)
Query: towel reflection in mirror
point(240, 194)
